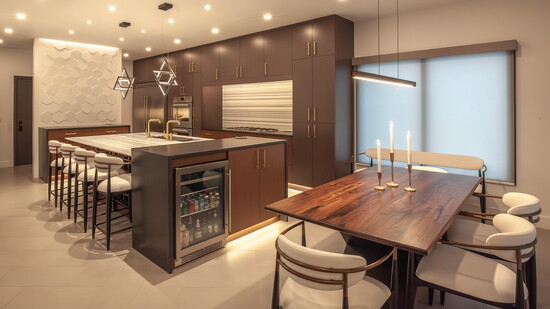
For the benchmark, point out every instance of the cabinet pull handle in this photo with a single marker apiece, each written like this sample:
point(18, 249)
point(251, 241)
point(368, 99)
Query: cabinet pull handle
point(189, 67)
point(175, 69)
point(265, 68)
point(308, 131)
point(237, 71)
point(263, 164)
point(314, 131)
point(70, 133)
point(112, 131)
point(257, 158)
point(315, 47)
point(308, 114)
point(182, 90)
point(315, 113)
point(308, 49)
point(217, 70)
point(241, 71)
point(192, 67)
point(229, 198)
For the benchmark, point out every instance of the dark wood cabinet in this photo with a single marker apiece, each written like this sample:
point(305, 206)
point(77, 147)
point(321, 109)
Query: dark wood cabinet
point(252, 62)
point(211, 111)
point(302, 90)
point(191, 60)
point(314, 39)
point(258, 178)
point(229, 60)
point(323, 89)
point(210, 63)
point(143, 68)
point(278, 52)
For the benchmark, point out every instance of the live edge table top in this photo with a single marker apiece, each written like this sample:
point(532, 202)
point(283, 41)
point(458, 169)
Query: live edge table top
point(412, 221)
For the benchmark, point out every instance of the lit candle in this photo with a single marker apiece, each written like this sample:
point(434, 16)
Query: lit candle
point(379, 156)
point(409, 147)
point(391, 136)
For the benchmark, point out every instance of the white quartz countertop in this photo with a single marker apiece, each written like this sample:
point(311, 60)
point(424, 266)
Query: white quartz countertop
point(123, 143)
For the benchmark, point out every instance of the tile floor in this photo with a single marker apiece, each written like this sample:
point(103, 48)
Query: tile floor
point(46, 261)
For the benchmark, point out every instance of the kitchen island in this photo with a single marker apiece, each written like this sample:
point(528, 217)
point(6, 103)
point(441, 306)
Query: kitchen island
point(238, 176)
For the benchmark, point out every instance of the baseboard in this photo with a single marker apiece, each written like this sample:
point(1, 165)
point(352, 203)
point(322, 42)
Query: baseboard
point(544, 223)
point(6, 164)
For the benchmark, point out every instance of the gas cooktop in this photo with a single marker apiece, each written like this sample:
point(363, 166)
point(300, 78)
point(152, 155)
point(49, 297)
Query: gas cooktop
point(254, 129)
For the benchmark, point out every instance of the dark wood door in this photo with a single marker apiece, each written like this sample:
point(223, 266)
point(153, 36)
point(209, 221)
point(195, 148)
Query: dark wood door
point(192, 60)
point(186, 87)
point(273, 181)
point(22, 120)
point(197, 103)
point(278, 52)
point(141, 71)
point(323, 38)
point(301, 90)
point(211, 111)
point(229, 59)
point(323, 89)
point(244, 166)
point(252, 56)
point(323, 153)
point(210, 63)
point(301, 153)
point(302, 41)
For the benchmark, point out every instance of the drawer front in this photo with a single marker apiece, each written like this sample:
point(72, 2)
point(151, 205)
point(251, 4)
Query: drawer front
point(210, 134)
point(60, 135)
point(110, 130)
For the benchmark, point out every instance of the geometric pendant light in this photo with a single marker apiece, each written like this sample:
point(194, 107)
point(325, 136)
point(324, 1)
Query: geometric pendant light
point(165, 77)
point(124, 83)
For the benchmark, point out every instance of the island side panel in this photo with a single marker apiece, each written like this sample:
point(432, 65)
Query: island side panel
point(152, 209)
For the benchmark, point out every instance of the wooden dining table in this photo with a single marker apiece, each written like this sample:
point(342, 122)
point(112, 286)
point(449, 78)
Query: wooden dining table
point(410, 221)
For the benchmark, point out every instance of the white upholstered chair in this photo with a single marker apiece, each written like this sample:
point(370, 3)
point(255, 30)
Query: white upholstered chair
point(451, 268)
point(320, 279)
point(56, 163)
point(116, 184)
point(428, 168)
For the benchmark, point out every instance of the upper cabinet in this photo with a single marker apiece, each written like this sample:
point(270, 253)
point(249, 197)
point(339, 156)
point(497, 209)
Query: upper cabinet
point(191, 60)
point(314, 39)
point(143, 68)
point(278, 52)
point(210, 63)
point(252, 62)
point(230, 59)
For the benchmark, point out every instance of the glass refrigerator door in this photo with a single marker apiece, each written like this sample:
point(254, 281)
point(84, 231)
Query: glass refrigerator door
point(201, 206)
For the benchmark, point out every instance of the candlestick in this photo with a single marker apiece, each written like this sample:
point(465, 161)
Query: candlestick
point(409, 148)
point(378, 156)
point(379, 187)
point(391, 137)
point(410, 188)
point(391, 183)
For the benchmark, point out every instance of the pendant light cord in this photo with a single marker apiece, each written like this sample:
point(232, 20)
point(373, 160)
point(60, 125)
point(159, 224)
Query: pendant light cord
point(397, 9)
point(378, 28)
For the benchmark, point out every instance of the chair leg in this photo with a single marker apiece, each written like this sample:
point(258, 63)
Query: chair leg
point(75, 208)
point(50, 180)
point(430, 296)
point(130, 205)
point(275, 295)
point(69, 193)
point(532, 281)
point(109, 201)
point(55, 187)
point(411, 286)
point(442, 297)
point(94, 210)
point(85, 204)
point(62, 189)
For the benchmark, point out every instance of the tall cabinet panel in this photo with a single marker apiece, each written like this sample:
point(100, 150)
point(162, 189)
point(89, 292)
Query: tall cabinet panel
point(211, 108)
point(302, 91)
point(278, 52)
point(245, 188)
point(229, 60)
point(211, 63)
point(323, 70)
point(272, 178)
point(252, 56)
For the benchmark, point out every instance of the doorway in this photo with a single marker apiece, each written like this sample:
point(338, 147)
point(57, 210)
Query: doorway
point(22, 120)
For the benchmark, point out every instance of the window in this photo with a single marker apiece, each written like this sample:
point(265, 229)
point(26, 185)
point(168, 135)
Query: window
point(461, 105)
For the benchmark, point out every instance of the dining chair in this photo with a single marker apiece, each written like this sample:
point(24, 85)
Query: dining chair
point(519, 204)
point(112, 187)
point(321, 279)
point(451, 268)
point(429, 169)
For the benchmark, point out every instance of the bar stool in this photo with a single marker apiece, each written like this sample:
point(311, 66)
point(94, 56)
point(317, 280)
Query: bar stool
point(111, 187)
point(55, 164)
point(85, 175)
point(67, 153)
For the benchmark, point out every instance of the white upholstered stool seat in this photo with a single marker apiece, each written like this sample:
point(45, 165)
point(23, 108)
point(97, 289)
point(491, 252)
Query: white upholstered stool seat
point(59, 162)
point(469, 273)
point(368, 293)
point(120, 183)
point(100, 175)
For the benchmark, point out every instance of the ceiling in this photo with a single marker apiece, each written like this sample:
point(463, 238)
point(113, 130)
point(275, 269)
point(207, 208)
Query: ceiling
point(192, 23)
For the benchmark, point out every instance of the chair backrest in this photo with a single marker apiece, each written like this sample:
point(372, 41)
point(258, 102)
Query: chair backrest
point(312, 265)
point(428, 168)
point(54, 146)
point(104, 163)
point(521, 204)
point(431, 158)
point(67, 150)
point(513, 232)
point(83, 156)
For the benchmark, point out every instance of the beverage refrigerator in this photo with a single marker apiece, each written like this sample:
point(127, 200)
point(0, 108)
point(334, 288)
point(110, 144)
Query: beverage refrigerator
point(202, 210)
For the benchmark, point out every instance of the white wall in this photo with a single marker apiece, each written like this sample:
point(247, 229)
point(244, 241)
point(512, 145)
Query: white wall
point(12, 62)
point(474, 21)
point(73, 86)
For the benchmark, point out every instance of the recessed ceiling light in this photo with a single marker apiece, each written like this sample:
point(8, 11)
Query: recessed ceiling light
point(148, 49)
point(170, 20)
point(143, 31)
point(215, 30)
point(21, 16)
point(208, 7)
point(177, 41)
point(112, 8)
point(89, 22)
point(121, 39)
point(1, 41)
point(267, 16)
point(71, 31)
point(126, 55)
point(8, 30)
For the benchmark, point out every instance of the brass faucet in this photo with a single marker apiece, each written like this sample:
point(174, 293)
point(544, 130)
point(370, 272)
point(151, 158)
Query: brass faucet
point(168, 136)
point(148, 133)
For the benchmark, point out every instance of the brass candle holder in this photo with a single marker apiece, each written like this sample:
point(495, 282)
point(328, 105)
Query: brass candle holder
point(410, 188)
point(391, 183)
point(379, 187)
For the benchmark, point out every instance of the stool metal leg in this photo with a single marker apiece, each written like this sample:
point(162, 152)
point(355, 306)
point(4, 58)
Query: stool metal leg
point(62, 187)
point(56, 181)
point(75, 208)
point(69, 187)
point(94, 206)
point(50, 177)
point(109, 202)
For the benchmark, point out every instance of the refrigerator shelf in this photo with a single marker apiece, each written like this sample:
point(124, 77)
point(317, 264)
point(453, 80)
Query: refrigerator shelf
point(199, 191)
point(198, 212)
point(192, 181)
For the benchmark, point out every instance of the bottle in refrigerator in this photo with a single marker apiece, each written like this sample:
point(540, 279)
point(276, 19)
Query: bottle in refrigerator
point(184, 236)
point(198, 231)
point(216, 226)
point(191, 230)
point(184, 207)
point(191, 205)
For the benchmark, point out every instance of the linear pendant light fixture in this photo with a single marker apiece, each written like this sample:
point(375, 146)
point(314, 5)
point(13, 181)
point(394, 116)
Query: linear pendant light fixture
point(371, 77)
